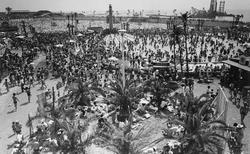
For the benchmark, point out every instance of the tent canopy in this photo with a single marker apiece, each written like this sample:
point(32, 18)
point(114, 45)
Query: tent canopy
point(232, 63)
point(113, 59)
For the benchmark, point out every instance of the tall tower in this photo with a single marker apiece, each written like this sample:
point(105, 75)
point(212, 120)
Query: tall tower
point(110, 17)
point(76, 22)
point(222, 6)
point(213, 6)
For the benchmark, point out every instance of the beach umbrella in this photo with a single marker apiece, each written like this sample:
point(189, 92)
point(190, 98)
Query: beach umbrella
point(20, 36)
point(89, 31)
point(113, 59)
point(59, 45)
point(72, 41)
point(80, 34)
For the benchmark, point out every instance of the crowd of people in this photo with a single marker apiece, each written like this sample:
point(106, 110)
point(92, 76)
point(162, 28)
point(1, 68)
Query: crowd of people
point(86, 58)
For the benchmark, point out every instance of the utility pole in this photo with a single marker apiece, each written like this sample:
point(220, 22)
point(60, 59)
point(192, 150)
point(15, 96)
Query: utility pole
point(72, 24)
point(76, 22)
point(68, 26)
point(24, 28)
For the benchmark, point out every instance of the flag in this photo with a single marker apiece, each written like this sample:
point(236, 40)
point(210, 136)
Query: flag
point(221, 103)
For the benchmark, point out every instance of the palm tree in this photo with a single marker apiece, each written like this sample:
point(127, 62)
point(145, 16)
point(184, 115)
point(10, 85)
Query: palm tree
point(177, 32)
point(175, 35)
point(184, 18)
point(62, 135)
point(159, 90)
point(202, 136)
point(8, 10)
point(123, 97)
point(117, 140)
point(80, 94)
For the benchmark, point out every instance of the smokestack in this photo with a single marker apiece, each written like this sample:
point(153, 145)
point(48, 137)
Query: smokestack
point(110, 17)
point(213, 6)
point(222, 6)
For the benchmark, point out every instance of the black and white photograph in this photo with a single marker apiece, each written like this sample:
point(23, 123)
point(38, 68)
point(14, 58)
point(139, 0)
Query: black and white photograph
point(124, 76)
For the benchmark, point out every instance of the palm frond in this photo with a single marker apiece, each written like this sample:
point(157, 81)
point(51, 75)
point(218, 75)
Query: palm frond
point(36, 117)
point(209, 148)
point(213, 123)
point(204, 107)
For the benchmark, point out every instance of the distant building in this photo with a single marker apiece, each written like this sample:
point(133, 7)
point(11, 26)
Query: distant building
point(96, 29)
point(224, 18)
point(20, 11)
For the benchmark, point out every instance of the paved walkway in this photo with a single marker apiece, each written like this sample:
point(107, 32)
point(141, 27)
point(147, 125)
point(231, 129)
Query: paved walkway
point(8, 115)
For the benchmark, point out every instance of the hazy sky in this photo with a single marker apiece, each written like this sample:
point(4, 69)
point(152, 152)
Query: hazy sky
point(102, 5)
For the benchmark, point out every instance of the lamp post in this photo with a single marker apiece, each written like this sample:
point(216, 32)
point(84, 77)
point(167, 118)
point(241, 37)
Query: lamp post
point(122, 31)
point(72, 25)
point(174, 41)
point(173, 26)
point(68, 25)
point(76, 22)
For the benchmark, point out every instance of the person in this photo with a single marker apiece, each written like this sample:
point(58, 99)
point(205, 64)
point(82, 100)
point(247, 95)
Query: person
point(243, 113)
point(22, 86)
point(28, 94)
point(191, 83)
point(6, 85)
point(16, 127)
point(15, 100)
point(0, 88)
point(48, 94)
point(43, 86)
point(231, 88)
point(208, 90)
